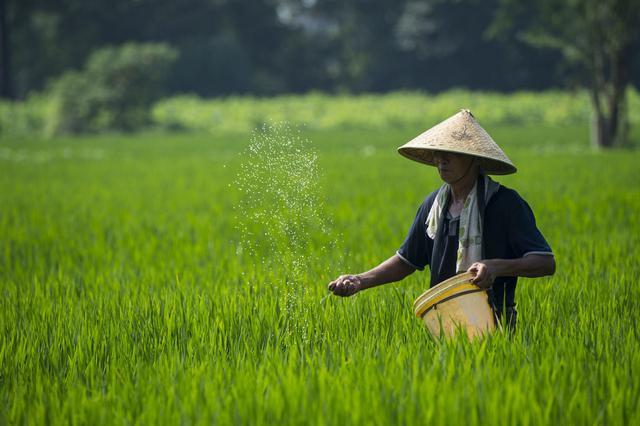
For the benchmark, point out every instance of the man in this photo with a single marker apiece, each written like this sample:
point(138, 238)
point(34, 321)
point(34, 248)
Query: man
point(471, 223)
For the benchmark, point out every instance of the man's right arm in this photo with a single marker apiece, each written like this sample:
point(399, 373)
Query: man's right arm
point(413, 254)
point(391, 270)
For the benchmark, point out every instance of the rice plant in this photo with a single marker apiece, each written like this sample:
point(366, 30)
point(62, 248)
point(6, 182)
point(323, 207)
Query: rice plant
point(125, 298)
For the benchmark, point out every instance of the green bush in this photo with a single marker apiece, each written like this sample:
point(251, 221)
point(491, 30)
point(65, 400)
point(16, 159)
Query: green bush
point(392, 110)
point(114, 90)
point(28, 117)
point(88, 106)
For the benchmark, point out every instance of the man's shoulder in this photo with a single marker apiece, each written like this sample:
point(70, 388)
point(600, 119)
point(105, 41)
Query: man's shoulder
point(505, 197)
point(429, 200)
point(506, 204)
point(425, 205)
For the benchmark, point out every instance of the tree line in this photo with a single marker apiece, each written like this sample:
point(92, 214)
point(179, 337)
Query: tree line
point(267, 47)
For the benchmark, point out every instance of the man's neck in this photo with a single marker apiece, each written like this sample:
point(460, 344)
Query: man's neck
point(461, 189)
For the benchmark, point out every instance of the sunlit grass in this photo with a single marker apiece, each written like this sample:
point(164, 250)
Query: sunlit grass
point(124, 298)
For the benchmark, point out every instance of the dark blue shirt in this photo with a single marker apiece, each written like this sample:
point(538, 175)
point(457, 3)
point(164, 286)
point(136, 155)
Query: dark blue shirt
point(509, 232)
point(446, 267)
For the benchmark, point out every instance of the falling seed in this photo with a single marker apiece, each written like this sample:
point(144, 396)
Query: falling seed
point(281, 214)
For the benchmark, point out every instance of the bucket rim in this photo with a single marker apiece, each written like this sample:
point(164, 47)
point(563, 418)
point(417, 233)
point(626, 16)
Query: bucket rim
point(443, 290)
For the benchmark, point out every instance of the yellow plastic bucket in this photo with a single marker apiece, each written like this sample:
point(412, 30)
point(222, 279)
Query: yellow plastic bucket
point(453, 305)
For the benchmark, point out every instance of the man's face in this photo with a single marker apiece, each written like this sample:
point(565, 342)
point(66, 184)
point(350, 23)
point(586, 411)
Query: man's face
point(452, 167)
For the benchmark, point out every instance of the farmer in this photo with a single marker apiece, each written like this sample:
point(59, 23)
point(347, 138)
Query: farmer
point(471, 223)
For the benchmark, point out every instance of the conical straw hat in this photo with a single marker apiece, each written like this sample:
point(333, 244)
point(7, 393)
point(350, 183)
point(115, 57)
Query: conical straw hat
point(460, 134)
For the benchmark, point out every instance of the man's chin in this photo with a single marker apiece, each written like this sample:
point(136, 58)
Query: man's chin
point(445, 178)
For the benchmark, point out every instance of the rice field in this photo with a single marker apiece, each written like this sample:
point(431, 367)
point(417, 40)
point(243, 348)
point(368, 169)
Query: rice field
point(159, 279)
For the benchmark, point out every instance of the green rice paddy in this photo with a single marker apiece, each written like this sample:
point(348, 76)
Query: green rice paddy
point(126, 298)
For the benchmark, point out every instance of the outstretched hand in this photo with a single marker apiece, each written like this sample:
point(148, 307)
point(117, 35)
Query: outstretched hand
point(345, 285)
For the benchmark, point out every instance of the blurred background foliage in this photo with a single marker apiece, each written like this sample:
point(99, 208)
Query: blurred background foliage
point(114, 89)
point(221, 48)
point(273, 46)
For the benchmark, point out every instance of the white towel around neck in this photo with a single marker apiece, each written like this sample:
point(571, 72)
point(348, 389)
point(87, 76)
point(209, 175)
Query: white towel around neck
point(470, 230)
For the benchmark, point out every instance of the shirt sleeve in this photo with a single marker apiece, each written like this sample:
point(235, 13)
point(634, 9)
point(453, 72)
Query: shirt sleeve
point(524, 236)
point(415, 250)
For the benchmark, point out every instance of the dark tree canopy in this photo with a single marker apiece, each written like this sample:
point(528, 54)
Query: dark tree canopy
point(288, 46)
point(597, 39)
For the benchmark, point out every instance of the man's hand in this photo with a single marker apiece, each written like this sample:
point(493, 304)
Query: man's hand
point(483, 273)
point(346, 285)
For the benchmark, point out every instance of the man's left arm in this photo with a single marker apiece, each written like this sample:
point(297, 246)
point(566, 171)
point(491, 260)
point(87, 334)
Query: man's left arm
point(532, 266)
point(532, 255)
